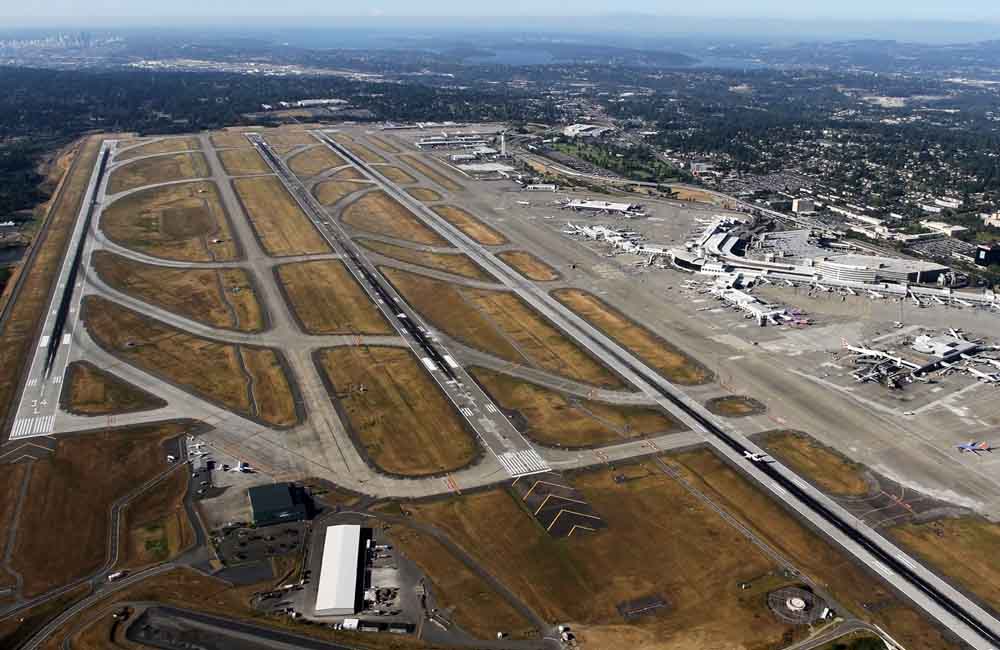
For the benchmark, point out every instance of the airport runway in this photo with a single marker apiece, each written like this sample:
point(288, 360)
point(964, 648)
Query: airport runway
point(38, 408)
point(939, 599)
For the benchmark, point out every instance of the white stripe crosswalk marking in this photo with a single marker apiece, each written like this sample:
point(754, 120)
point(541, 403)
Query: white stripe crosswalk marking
point(521, 463)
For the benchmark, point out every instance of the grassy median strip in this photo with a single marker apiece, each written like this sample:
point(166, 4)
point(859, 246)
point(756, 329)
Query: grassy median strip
point(674, 364)
point(432, 172)
point(500, 323)
point(424, 194)
point(184, 222)
point(560, 420)
point(828, 469)
point(396, 174)
point(315, 160)
point(379, 213)
point(243, 162)
point(160, 169)
point(400, 417)
point(455, 263)
point(329, 192)
point(326, 299)
point(166, 145)
point(216, 297)
point(470, 225)
point(88, 390)
point(229, 375)
point(280, 224)
point(529, 266)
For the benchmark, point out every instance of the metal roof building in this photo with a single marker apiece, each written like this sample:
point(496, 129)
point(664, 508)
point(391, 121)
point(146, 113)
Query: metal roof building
point(341, 574)
point(278, 503)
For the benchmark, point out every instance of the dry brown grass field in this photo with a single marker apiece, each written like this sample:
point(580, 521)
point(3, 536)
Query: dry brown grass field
point(88, 390)
point(288, 138)
point(432, 172)
point(850, 584)
point(234, 138)
point(529, 266)
point(327, 299)
point(348, 174)
point(379, 213)
point(401, 418)
point(829, 470)
point(233, 376)
point(358, 149)
point(167, 145)
point(184, 222)
point(329, 192)
point(735, 406)
point(11, 479)
point(501, 324)
point(64, 535)
point(218, 297)
point(243, 162)
point(470, 225)
point(155, 527)
point(674, 364)
point(315, 160)
point(28, 310)
point(470, 602)
point(455, 263)
point(280, 224)
point(559, 420)
point(396, 174)
point(161, 169)
point(384, 144)
point(962, 549)
point(579, 580)
point(424, 194)
point(17, 629)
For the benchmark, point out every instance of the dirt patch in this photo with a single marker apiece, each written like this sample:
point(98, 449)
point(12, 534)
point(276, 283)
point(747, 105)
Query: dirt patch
point(243, 162)
point(432, 172)
point(166, 145)
point(466, 599)
point(561, 420)
point(735, 406)
point(329, 192)
point(582, 579)
point(217, 297)
point(677, 366)
point(280, 224)
point(529, 266)
point(88, 390)
point(315, 160)
point(155, 526)
point(455, 263)
point(471, 226)
point(184, 222)
point(828, 469)
point(65, 535)
point(403, 421)
point(396, 174)
point(501, 324)
point(161, 169)
point(216, 371)
point(379, 213)
point(326, 299)
point(424, 194)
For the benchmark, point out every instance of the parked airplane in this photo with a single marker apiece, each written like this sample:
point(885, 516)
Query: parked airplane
point(756, 458)
point(975, 447)
point(985, 377)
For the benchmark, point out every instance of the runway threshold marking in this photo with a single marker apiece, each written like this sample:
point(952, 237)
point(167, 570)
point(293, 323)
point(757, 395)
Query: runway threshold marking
point(33, 426)
point(523, 463)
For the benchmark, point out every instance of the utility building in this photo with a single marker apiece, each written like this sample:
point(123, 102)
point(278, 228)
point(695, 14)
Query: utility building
point(278, 504)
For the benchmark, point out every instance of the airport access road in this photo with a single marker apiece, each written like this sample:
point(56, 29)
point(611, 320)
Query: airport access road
point(38, 406)
point(939, 599)
point(511, 449)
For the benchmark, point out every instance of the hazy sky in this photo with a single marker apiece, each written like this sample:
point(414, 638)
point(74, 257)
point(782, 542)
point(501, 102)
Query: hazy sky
point(854, 10)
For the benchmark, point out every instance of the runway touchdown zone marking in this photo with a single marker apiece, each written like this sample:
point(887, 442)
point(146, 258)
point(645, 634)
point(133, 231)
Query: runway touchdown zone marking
point(38, 426)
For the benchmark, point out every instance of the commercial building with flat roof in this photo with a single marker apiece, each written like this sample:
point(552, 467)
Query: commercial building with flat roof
point(278, 503)
point(341, 575)
point(871, 268)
